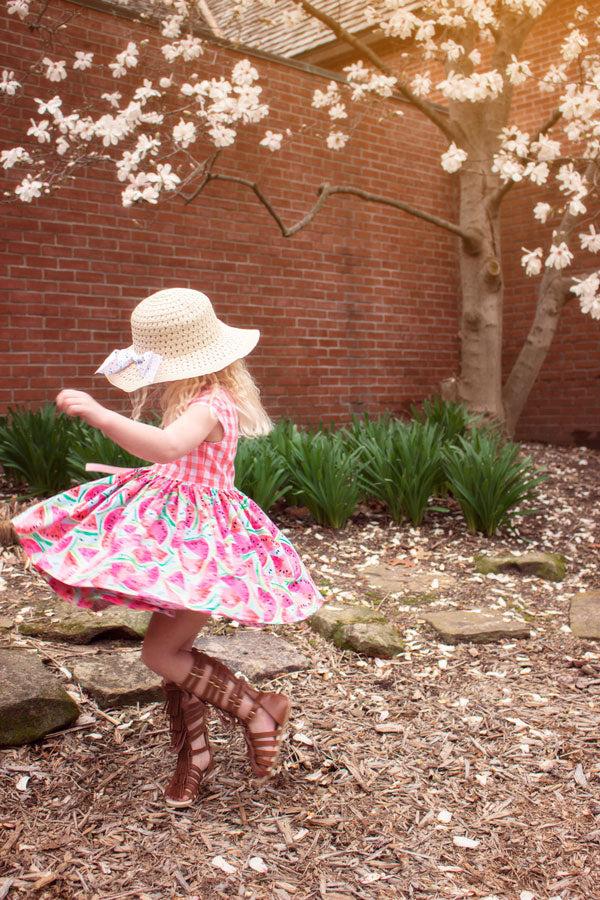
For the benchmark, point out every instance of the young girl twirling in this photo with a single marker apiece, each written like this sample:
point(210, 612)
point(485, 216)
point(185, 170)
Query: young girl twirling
point(177, 537)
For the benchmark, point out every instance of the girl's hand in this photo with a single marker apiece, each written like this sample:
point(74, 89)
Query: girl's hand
point(78, 403)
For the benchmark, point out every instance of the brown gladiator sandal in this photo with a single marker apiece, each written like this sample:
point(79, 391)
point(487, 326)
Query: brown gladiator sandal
point(223, 690)
point(187, 724)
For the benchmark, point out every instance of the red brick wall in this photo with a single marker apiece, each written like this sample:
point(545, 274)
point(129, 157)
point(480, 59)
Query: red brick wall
point(357, 312)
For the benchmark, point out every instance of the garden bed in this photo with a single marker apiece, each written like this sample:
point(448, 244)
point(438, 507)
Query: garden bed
point(446, 772)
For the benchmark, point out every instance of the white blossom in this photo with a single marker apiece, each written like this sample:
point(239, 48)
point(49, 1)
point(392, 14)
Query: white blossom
point(9, 85)
point(452, 50)
point(421, 84)
point(39, 130)
point(573, 44)
point(62, 145)
point(83, 60)
point(145, 92)
point(587, 289)
point(244, 73)
point(546, 149)
point(326, 98)
point(338, 111)
point(532, 260)
point(508, 168)
point(518, 71)
point(577, 207)
point(559, 257)
point(127, 59)
point(541, 211)
point(272, 141)
point(16, 155)
point(537, 172)
point(113, 98)
point(221, 136)
point(453, 158)
point(52, 107)
point(18, 8)
point(590, 241)
point(166, 176)
point(336, 140)
point(184, 133)
point(55, 70)
point(171, 27)
point(29, 189)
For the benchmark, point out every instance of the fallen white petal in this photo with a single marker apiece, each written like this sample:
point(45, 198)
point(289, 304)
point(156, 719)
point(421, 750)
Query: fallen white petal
point(222, 864)
point(444, 816)
point(258, 864)
point(468, 843)
point(21, 784)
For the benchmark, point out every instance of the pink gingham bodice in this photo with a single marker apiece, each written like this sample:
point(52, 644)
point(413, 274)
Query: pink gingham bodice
point(211, 462)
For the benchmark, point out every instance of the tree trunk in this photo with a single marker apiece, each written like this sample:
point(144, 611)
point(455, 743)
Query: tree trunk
point(554, 293)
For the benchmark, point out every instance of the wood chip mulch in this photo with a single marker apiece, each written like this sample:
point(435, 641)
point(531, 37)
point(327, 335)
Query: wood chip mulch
point(468, 771)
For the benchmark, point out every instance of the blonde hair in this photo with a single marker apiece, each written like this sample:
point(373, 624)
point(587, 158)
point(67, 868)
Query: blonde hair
point(175, 397)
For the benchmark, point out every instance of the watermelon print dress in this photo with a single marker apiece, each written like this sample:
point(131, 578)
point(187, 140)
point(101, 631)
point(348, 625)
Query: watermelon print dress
point(169, 537)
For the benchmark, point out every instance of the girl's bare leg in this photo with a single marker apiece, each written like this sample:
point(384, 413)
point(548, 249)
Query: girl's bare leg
point(168, 643)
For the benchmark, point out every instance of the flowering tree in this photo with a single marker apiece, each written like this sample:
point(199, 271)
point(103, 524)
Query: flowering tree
point(165, 128)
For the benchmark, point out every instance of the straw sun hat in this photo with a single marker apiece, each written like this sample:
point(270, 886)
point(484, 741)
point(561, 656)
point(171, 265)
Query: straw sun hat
point(176, 334)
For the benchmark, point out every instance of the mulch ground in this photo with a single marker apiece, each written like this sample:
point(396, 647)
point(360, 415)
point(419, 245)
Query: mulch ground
point(448, 772)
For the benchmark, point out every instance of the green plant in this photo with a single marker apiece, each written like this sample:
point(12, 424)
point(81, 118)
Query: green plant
point(401, 465)
point(89, 445)
point(490, 480)
point(323, 475)
point(260, 471)
point(34, 447)
point(453, 419)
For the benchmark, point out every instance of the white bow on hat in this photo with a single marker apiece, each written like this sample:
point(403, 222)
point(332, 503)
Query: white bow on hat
point(147, 363)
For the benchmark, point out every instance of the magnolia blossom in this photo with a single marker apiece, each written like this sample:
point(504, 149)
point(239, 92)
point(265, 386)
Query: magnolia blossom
point(326, 98)
point(16, 155)
point(9, 85)
point(452, 50)
point(573, 45)
point(187, 48)
point(472, 88)
point(336, 140)
point(532, 260)
point(145, 92)
point(537, 172)
point(18, 8)
point(171, 28)
point(127, 59)
point(39, 130)
point(518, 71)
point(272, 141)
point(546, 149)
point(453, 158)
point(338, 111)
point(83, 60)
point(29, 189)
point(62, 145)
point(421, 84)
point(541, 211)
point(559, 257)
point(590, 241)
point(507, 167)
point(113, 98)
point(184, 133)
point(55, 70)
point(588, 291)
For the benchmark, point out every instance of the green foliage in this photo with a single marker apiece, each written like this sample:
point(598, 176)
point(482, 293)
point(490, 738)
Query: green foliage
point(453, 419)
point(401, 466)
point(490, 480)
point(88, 445)
point(323, 474)
point(260, 471)
point(34, 446)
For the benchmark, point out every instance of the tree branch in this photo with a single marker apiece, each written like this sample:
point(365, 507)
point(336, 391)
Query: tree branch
point(470, 239)
point(428, 109)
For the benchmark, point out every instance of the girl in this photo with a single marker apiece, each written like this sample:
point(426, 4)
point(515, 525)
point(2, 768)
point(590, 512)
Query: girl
point(177, 538)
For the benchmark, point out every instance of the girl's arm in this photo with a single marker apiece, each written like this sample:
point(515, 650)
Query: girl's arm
point(157, 445)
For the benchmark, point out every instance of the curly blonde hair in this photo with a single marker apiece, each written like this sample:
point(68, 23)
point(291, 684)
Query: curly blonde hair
point(175, 397)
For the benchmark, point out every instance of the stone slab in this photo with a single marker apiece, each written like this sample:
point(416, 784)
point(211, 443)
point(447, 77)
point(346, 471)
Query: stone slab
point(257, 654)
point(370, 639)
point(32, 702)
point(549, 566)
point(117, 679)
point(399, 579)
point(56, 620)
point(584, 615)
point(474, 625)
point(331, 617)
